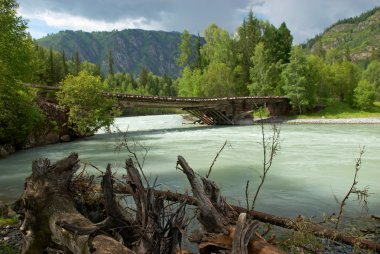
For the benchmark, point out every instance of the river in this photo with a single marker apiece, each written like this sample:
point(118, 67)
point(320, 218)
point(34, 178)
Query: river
point(315, 162)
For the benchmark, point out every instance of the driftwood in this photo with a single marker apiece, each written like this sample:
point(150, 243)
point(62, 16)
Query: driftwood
point(216, 216)
point(47, 209)
point(160, 231)
point(280, 221)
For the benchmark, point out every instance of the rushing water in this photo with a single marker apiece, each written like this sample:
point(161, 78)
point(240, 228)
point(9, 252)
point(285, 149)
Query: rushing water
point(315, 162)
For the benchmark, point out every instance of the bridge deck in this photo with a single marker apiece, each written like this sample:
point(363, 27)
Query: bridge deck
point(216, 110)
point(189, 102)
point(133, 100)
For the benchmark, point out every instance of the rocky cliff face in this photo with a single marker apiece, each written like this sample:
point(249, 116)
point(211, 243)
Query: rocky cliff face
point(132, 49)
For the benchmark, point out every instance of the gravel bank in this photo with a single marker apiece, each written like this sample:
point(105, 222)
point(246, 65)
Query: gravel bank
point(285, 120)
point(11, 241)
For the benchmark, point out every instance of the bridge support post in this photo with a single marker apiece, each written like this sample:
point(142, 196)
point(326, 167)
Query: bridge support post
point(278, 108)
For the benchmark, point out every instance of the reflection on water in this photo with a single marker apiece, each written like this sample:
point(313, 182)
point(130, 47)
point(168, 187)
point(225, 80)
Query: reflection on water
point(315, 162)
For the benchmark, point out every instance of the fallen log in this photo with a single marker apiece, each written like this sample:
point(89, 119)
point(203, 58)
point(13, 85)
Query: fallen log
point(48, 212)
point(280, 221)
point(47, 209)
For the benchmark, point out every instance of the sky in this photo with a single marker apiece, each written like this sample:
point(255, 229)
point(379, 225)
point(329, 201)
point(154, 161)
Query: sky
point(305, 18)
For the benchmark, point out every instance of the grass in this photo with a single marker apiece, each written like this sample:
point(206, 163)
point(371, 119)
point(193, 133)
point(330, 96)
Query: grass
point(337, 109)
point(6, 249)
point(8, 221)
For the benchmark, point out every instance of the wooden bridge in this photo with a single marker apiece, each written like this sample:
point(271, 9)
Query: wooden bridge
point(211, 111)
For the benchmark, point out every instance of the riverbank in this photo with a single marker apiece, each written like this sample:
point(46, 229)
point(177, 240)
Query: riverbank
point(11, 243)
point(291, 120)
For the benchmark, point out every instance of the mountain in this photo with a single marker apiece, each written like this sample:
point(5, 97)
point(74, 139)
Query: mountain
point(358, 36)
point(132, 49)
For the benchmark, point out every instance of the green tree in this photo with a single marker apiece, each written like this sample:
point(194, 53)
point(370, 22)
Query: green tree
point(249, 34)
point(89, 68)
point(143, 77)
point(296, 82)
point(185, 49)
point(198, 55)
point(190, 83)
point(265, 75)
point(18, 113)
point(50, 68)
point(218, 46)
point(283, 46)
point(88, 109)
point(64, 64)
point(346, 78)
point(321, 75)
point(364, 94)
point(218, 80)
point(76, 63)
point(372, 74)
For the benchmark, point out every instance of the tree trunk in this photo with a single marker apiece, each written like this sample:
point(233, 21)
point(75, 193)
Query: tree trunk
point(48, 211)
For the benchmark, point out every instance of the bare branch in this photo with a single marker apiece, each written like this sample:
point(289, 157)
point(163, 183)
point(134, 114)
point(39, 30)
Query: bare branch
point(362, 195)
point(216, 157)
point(270, 148)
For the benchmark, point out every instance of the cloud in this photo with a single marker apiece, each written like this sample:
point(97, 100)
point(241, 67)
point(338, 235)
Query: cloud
point(72, 22)
point(169, 15)
point(305, 18)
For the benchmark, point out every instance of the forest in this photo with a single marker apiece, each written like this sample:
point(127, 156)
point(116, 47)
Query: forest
point(259, 60)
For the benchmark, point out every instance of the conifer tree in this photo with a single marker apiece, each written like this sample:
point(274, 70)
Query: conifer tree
point(64, 64)
point(77, 63)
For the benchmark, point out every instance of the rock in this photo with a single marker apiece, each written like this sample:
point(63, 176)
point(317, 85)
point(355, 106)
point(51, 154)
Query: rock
point(65, 138)
point(52, 138)
point(3, 152)
point(6, 238)
point(6, 150)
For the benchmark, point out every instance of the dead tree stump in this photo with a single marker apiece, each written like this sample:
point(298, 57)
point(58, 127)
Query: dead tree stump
point(47, 209)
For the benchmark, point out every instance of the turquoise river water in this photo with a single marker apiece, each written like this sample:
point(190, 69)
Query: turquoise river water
point(315, 162)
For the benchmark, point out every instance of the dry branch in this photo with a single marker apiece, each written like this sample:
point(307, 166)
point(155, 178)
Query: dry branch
point(48, 212)
point(280, 221)
point(216, 216)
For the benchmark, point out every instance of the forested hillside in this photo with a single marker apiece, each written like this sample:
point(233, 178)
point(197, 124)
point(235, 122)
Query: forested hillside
point(132, 49)
point(357, 38)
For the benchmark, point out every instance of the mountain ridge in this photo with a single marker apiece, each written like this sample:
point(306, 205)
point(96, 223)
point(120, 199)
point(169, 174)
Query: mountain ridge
point(359, 35)
point(132, 49)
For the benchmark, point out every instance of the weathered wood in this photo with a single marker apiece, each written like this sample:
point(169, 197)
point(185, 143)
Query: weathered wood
point(217, 217)
point(208, 215)
point(47, 207)
point(159, 230)
point(280, 221)
point(212, 242)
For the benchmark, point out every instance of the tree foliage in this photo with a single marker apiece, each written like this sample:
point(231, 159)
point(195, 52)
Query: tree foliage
point(18, 113)
point(265, 75)
point(296, 82)
point(372, 75)
point(88, 110)
point(218, 80)
point(346, 78)
point(364, 94)
point(185, 49)
point(191, 83)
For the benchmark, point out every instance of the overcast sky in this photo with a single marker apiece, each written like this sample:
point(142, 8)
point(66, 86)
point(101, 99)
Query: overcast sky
point(305, 18)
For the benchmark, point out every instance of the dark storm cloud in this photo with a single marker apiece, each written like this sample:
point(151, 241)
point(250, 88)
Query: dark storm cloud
point(305, 18)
